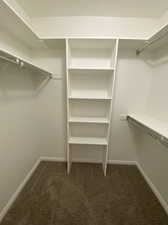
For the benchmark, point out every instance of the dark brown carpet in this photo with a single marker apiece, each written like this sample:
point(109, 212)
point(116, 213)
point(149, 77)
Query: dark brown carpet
point(86, 197)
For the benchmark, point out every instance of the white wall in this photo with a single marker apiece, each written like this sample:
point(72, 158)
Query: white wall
point(52, 124)
point(21, 119)
point(153, 156)
point(132, 90)
point(19, 145)
point(157, 100)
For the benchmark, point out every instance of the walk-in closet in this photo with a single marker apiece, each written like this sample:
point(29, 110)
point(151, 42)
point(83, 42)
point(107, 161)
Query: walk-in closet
point(83, 112)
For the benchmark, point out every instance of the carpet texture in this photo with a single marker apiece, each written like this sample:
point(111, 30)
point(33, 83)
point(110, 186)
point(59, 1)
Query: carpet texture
point(86, 197)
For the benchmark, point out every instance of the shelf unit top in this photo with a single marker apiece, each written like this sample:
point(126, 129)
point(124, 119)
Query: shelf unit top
point(91, 43)
point(88, 140)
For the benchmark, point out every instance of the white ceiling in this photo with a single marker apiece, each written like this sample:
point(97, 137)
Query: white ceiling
point(119, 8)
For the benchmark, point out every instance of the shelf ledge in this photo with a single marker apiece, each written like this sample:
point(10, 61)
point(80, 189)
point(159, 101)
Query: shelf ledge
point(88, 120)
point(90, 97)
point(156, 128)
point(88, 141)
point(91, 68)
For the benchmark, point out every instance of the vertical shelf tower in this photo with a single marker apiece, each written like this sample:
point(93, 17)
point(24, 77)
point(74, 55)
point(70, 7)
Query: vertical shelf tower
point(91, 71)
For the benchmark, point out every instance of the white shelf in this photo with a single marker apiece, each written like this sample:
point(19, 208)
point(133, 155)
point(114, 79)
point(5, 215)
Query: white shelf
point(154, 124)
point(88, 120)
point(88, 141)
point(89, 97)
point(90, 68)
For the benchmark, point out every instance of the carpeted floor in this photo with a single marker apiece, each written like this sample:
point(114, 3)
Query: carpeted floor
point(86, 197)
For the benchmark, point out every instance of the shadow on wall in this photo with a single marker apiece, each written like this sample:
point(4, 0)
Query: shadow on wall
point(17, 82)
point(137, 134)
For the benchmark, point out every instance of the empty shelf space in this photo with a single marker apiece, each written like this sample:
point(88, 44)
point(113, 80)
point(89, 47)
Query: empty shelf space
point(91, 53)
point(97, 130)
point(90, 84)
point(97, 108)
point(87, 140)
point(88, 120)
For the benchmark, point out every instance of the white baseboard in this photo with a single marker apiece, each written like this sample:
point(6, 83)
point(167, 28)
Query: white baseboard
point(162, 201)
point(52, 159)
point(18, 190)
point(62, 159)
point(122, 162)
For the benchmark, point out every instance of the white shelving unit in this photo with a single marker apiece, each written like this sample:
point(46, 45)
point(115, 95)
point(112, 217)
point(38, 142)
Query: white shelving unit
point(91, 70)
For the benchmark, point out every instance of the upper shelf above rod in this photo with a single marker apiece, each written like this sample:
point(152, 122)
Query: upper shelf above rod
point(162, 35)
point(10, 60)
point(22, 63)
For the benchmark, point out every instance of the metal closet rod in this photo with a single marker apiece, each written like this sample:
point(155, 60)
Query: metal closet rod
point(149, 43)
point(10, 60)
point(21, 63)
point(163, 140)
